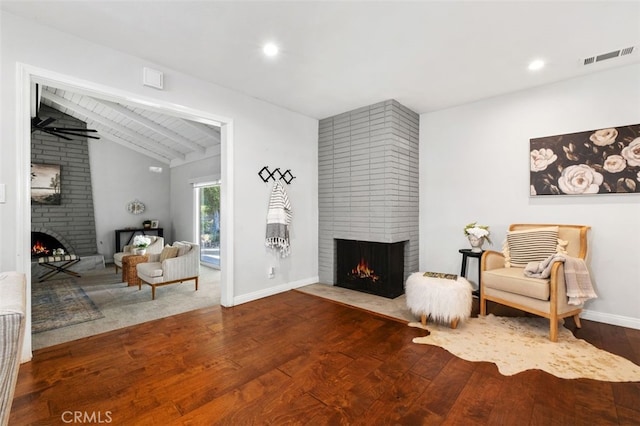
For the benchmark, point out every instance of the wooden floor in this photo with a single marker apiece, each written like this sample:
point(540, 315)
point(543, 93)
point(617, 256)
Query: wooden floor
point(298, 359)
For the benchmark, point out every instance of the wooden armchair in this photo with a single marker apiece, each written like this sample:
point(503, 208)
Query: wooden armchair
point(169, 268)
point(544, 297)
point(156, 246)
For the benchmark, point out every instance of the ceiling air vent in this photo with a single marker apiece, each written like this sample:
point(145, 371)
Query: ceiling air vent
point(608, 55)
point(626, 51)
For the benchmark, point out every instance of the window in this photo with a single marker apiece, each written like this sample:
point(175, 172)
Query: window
point(207, 198)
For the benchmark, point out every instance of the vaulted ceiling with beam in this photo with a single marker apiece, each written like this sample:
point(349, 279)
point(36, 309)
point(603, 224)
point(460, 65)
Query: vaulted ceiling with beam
point(167, 139)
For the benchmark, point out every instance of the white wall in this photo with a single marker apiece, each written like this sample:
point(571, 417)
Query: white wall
point(474, 166)
point(182, 207)
point(120, 175)
point(262, 134)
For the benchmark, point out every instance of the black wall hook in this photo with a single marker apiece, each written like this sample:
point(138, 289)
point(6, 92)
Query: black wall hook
point(266, 175)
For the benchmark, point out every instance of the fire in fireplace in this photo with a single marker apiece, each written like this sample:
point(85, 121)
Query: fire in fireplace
point(44, 244)
point(363, 272)
point(371, 267)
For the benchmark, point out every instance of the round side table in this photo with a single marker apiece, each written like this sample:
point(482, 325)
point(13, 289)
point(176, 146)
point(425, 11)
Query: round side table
point(129, 272)
point(466, 253)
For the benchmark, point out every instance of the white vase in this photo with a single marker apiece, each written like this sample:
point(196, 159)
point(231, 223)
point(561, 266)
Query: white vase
point(476, 243)
point(139, 251)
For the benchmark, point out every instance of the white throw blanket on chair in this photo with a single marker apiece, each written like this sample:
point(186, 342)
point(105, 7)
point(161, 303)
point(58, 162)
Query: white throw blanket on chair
point(278, 220)
point(576, 276)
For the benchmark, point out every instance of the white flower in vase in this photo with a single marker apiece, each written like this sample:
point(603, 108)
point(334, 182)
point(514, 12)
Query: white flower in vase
point(477, 234)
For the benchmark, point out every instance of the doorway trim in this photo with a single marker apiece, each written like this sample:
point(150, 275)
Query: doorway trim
point(25, 75)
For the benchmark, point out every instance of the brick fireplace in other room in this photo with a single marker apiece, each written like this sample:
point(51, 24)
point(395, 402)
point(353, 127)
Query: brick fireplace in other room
point(72, 222)
point(370, 267)
point(44, 243)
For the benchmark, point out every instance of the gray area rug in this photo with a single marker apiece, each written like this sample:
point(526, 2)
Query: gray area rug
point(124, 305)
point(60, 303)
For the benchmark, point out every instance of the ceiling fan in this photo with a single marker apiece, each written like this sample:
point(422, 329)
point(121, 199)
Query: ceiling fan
point(39, 124)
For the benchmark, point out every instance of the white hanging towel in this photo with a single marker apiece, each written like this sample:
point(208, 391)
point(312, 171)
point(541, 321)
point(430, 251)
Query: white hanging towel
point(278, 220)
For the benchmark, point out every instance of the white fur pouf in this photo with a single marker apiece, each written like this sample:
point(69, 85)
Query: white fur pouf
point(444, 300)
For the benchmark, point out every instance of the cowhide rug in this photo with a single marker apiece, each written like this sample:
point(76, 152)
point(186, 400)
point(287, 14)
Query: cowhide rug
point(519, 344)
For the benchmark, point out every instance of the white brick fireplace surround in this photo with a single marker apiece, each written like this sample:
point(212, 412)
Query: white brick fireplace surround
point(368, 181)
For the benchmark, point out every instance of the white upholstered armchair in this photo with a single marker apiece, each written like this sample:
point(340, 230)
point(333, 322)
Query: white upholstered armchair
point(157, 243)
point(177, 263)
point(503, 281)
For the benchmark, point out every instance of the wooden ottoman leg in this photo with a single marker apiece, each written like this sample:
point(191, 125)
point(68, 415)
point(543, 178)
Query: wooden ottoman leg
point(454, 323)
point(423, 319)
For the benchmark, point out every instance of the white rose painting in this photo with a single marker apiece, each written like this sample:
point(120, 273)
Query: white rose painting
point(601, 161)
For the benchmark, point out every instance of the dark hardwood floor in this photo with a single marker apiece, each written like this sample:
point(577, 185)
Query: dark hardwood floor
point(298, 359)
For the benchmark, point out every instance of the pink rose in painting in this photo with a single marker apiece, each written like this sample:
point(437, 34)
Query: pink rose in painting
point(580, 179)
point(604, 137)
point(614, 164)
point(631, 153)
point(540, 159)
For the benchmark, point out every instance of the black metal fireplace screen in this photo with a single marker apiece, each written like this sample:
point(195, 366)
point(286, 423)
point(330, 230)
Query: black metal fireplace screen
point(370, 267)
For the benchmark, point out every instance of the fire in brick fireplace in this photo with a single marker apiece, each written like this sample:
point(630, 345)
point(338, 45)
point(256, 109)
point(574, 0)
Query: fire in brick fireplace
point(43, 244)
point(370, 267)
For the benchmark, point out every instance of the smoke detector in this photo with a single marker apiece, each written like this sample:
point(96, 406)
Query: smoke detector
point(609, 55)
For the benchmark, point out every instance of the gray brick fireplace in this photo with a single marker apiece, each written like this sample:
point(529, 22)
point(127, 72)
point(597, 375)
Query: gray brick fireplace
point(72, 222)
point(368, 182)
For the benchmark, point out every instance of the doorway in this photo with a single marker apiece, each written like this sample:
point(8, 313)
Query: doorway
point(207, 208)
point(27, 75)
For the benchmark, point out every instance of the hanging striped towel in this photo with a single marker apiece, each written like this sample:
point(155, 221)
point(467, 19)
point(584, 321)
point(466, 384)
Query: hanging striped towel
point(278, 220)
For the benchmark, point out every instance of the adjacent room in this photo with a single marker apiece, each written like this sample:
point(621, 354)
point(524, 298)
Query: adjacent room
point(320, 212)
point(131, 201)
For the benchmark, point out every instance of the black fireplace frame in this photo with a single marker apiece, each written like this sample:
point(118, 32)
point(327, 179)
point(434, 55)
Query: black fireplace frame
point(388, 258)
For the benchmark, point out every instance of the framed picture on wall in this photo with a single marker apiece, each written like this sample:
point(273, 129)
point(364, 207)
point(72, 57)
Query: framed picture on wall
point(601, 161)
point(45, 184)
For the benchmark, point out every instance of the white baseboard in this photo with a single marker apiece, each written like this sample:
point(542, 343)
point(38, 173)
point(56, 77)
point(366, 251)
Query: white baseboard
point(612, 319)
point(244, 298)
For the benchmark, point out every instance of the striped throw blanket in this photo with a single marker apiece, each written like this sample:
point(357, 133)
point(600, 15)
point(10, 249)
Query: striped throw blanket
point(278, 220)
point(576, 276)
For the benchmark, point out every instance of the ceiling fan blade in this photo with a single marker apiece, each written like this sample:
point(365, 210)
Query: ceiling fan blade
point(74, 129)
point(55, 134)
point(39, 122)
point(71, 132)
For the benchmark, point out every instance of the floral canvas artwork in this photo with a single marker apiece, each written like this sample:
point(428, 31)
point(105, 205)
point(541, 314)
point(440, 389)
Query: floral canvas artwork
point(602, 161)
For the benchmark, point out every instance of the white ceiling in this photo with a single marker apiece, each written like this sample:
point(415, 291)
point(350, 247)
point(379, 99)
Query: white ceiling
point(168, 139)
point(337, 56)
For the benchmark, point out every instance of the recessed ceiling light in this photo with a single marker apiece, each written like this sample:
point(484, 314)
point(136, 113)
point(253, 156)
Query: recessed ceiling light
point(536, 65)
point(270, 49)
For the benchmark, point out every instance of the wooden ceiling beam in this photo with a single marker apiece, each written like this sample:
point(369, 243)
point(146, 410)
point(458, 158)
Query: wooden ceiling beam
point(146, 142)
point(152, 125)
point(132, 146)
point(206, 130)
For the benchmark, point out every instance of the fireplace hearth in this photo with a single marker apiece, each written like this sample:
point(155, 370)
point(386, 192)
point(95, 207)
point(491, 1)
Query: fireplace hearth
point(370, 267)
